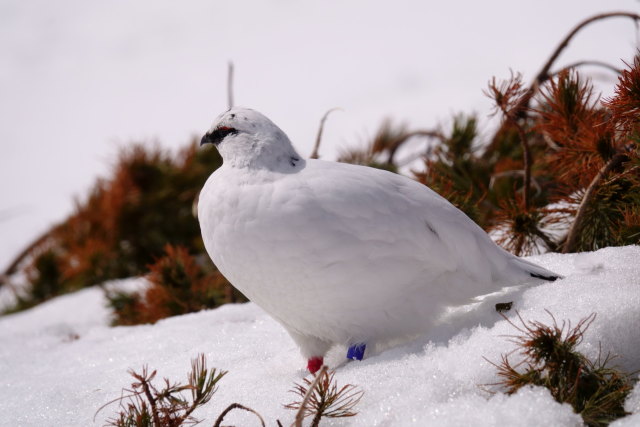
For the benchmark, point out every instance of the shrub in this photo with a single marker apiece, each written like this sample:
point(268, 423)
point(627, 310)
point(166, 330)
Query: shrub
point(561, 174)
point(550, 359)
point(124, 223)
point(143, 404)
point(178, 285)
point(146, 405)
point(321, 397)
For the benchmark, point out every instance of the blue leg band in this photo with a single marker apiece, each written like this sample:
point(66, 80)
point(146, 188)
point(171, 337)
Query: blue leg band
point(356, 351)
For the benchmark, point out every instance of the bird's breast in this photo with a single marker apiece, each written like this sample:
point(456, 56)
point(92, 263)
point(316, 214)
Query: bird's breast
point(299, 259)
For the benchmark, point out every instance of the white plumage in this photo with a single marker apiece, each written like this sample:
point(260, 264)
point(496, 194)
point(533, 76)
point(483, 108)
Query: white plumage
point(339, 253)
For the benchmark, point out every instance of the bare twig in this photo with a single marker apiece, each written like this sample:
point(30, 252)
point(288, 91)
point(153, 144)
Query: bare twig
point(314, 154)
point(307, 396)
point(238, 406)
point(583, 63)
point(424, 133)
point(230, 85)
point(508, 97)
point(527, 163)
point(521, 109)
point(572, 235)
point(543, 74)
point(514, 173)
point(15, 263)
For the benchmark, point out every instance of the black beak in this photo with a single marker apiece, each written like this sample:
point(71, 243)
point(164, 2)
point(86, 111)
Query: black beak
point(217, 135)
point(205, 139)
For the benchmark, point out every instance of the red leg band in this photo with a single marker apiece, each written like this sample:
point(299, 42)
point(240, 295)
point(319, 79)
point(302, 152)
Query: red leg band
point(314, 364)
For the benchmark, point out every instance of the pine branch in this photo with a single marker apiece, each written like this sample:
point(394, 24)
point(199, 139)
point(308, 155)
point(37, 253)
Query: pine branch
point(550, 359)
point(543, 74)
point(202, 383)
point(572, 235)
point(521, 109)
point(322, 398)
point(625, 103)
point(144, 383)
point(149, 406)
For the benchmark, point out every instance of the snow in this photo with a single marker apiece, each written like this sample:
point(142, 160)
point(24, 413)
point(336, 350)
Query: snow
point(631, 405)
point(60, 361)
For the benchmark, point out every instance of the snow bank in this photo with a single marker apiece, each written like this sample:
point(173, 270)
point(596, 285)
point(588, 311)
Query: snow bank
point(59, 362)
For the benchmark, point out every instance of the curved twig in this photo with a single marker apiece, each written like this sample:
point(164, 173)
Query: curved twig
point(15, 263)
point(316, 147)
point(582, 63)
point(425, 133)
point(237, 406)
point(572, 235)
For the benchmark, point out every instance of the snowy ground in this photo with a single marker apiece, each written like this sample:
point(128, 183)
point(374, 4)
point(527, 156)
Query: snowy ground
point(60, 362)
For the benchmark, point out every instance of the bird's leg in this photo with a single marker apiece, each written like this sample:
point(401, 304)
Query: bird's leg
point(356, 351)
point(313, 349)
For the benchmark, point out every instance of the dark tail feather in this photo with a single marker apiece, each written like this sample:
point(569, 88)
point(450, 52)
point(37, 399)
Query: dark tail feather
point(549, 278)
point(522, 267)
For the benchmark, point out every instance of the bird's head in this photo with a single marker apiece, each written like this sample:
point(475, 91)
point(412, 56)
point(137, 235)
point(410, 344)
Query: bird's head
point(246, 138)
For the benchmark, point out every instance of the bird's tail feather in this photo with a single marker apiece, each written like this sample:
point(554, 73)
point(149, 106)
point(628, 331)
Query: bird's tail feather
point(534, 270)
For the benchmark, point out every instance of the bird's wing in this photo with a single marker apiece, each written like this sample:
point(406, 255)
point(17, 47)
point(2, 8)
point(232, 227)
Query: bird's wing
point(393, 219)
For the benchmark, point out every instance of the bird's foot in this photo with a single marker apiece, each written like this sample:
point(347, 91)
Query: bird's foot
point(314, 364)
point(356, 351)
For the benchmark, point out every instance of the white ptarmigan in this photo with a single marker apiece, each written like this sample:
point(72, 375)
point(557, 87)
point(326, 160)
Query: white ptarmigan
point(338, 253)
